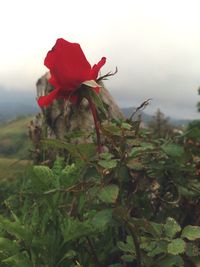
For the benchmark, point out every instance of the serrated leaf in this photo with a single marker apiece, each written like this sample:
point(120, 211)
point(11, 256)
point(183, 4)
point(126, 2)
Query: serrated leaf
point(106, 156)
point(192, 250)
point(160, 247)
point(115, 265)
point(128, 246)
point(127, 258)
point(108, 164)
point(20, 259)
point(171, 261)
point(129, 241)
point(126, 126)
point(110, 129)
point(73, 229)
point(191, 232)
point(15, 229)
point(102, 218)
point(42, 179)
point(43, 172)
point(8, 245)
point(171, 227)
point(135, 151)
point(173, 150)
point(109, 193)
point(78, 151)
point(69, 255)
point(134, 164)
point(177, 246)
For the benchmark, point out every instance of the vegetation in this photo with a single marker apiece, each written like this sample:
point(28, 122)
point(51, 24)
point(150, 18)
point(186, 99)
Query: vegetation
point(14, 140)
point(160, 125)
point(135, 204)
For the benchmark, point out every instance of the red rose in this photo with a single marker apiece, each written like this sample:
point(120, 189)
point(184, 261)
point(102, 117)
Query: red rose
point(69, 68)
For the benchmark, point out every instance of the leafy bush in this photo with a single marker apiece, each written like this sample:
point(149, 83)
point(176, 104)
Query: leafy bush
point(135, 204)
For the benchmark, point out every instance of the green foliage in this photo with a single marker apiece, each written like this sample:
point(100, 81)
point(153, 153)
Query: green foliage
point(109, 193)
point(137, 204)
point(191, 232)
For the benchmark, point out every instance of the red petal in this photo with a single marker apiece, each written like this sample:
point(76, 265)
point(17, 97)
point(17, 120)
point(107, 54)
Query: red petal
point(68, 64)
point(48, 99)
point(96, 68)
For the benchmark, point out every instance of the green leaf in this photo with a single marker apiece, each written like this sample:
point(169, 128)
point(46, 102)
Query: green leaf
point(127, 258)
point(42, 179)
point(69, 175)
point(156, 229)
point(177, 246)
point(43, 172)
point(135, 151)
point(160, 247)
point(97, 100)
point(192, 250)
point(191, 232)
point(20, 259)
point(73, 229)
point(126, 247)
point(115, 265)
point(78, 151)
point(134, 164)
point(7, 245)
point(108, 164)
point(15, 229)
point(173, 150)
point(71, 254)
point(171, 261)
point(126, 126)
point(171, 227)
point(109, 193)
point(106, 156)
point(102, 218)
point(110, 129)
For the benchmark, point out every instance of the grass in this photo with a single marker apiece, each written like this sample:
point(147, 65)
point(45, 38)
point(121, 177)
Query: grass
point(14, 140)
point(12, 168)
point(17, 126)
point(14, 144)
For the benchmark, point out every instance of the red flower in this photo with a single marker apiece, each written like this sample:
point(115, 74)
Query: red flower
point(69, 68)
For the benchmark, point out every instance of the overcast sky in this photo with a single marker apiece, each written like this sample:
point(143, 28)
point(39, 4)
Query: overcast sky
point(154, 43)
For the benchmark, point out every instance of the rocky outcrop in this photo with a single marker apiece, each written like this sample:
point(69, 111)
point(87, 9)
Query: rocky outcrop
point(62, 118)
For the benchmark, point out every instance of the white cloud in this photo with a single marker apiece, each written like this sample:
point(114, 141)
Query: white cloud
point(155, 44)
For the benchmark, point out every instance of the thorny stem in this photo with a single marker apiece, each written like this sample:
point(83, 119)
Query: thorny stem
point(96, 123)
point(141, 107)
point(93, 252)
point(131, 228)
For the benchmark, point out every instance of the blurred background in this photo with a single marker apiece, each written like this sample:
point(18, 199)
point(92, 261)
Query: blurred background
point(155, 45)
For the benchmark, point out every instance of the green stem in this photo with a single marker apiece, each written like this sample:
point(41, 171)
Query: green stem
point(131, 228)
point(93, 253)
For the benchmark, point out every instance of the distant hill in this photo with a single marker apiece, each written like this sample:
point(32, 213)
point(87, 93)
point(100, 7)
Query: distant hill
point(15, 103)
point(10, 111)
